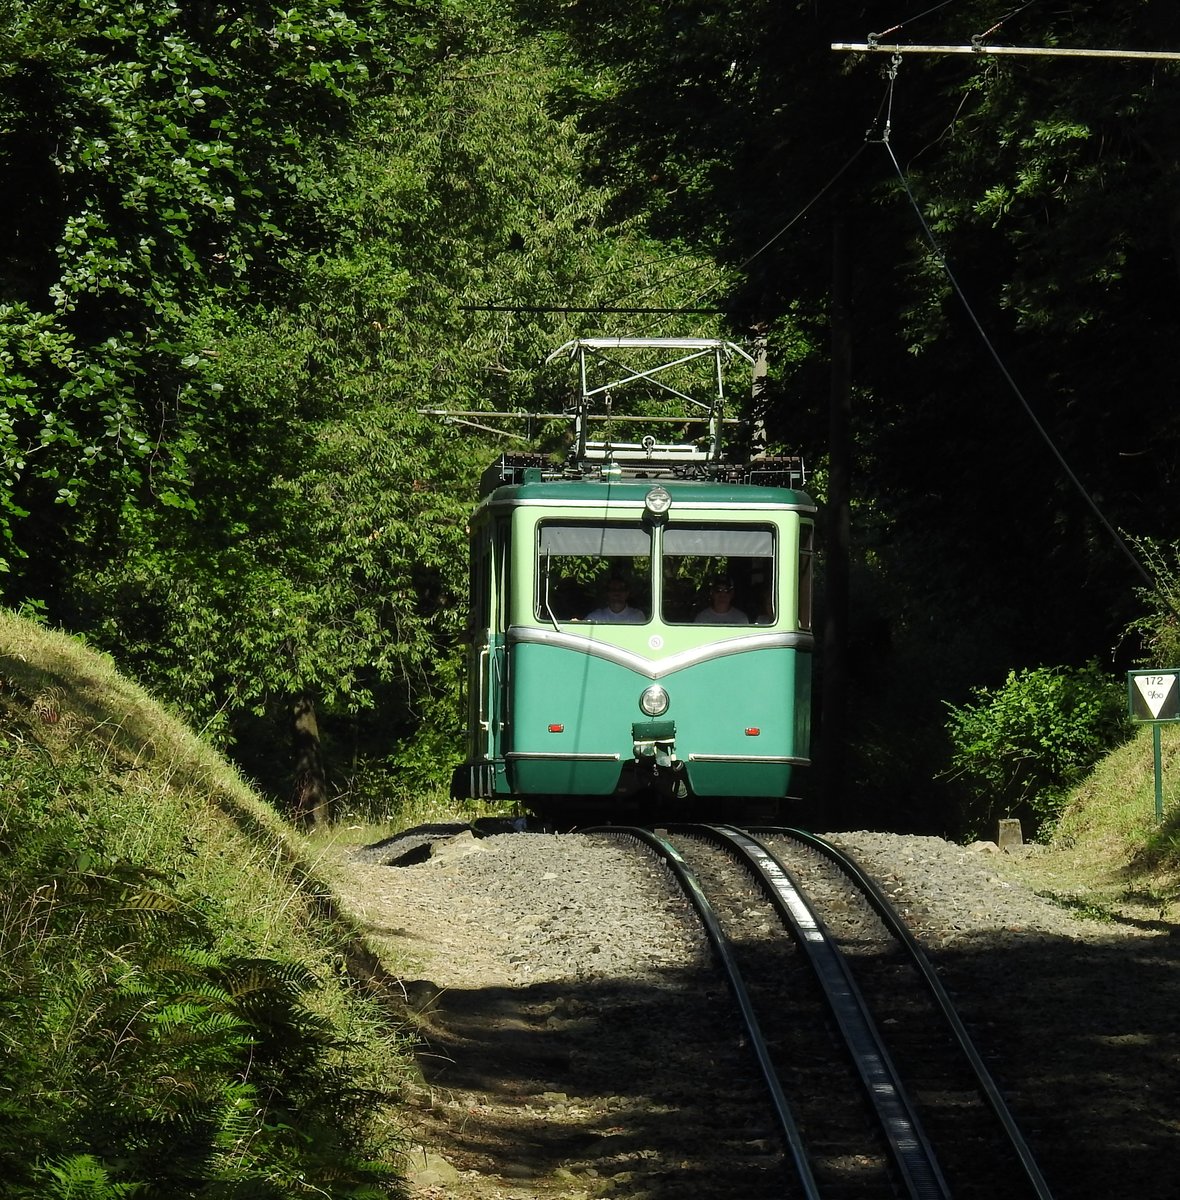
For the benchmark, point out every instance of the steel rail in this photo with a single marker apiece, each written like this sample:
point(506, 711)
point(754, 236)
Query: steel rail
point(896, 926)
point(723, 948)
point(911, 1149)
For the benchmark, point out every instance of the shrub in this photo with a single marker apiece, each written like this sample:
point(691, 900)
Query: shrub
point(1158, 629)
point(1019, 748)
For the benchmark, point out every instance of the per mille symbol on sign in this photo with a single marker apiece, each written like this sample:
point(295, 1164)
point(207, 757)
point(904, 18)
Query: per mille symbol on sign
point(1158, 693)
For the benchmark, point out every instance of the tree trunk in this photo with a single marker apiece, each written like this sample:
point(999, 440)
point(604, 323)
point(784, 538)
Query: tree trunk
point(833, 732)
point(309, 788)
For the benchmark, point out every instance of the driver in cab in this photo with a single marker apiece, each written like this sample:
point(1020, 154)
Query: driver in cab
point(617, 609)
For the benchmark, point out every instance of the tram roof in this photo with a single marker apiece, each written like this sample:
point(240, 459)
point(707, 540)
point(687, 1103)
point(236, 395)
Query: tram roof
point(700, 493)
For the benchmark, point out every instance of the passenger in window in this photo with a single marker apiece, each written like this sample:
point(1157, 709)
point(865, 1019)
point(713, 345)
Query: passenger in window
point(721, 610)
point(616, 609)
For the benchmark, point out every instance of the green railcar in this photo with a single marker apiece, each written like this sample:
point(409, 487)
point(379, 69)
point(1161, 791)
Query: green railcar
point(638, 636)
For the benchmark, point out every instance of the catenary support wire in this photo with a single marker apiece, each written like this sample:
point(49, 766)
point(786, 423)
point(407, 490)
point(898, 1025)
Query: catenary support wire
point(794, 220)
point(1007, 375)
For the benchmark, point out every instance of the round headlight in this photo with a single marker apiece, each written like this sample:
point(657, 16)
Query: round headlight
point(659, 500)
point(654, 701)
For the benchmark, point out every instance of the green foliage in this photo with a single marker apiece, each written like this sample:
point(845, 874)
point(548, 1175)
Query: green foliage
point(83, 1177)
point(156, 158)
point(1018, 748)
point(152, 1047)
point(158, 417)
point(1157, 628)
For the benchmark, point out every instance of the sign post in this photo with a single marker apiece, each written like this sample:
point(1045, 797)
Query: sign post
point(1155, 696)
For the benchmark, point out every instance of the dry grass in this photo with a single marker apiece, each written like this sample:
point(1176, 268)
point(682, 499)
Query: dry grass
point(77, 691)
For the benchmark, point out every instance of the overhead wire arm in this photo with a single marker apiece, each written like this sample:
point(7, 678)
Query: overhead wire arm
point(875, 47)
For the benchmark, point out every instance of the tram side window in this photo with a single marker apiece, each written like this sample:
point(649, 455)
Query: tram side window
point(806, 534)
point(577, 562)
point(503, 580)
point(480, 584)
point(719, 574)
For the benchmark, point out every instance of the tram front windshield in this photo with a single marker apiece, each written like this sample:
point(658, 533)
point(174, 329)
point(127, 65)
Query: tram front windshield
point(716, 574)
point(709, 573)
point(588, 572)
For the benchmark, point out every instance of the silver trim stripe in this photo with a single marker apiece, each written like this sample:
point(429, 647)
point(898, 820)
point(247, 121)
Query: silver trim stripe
point(772, 759)
point(556, 756)
point(581, 644)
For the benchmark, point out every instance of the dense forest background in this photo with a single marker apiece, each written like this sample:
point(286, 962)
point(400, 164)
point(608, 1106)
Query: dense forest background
point(247, 244)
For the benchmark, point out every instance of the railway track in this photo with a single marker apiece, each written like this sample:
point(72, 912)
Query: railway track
point(873, 1081)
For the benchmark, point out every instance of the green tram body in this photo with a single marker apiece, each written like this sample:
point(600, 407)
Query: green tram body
point(554, 714)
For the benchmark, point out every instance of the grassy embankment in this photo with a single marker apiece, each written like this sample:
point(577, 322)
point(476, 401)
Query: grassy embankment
point(1108, 855)
point(179, 1003)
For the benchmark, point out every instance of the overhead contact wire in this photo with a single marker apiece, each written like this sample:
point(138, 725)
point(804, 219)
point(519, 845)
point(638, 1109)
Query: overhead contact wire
point(909, 20)
point(978, 39)
point(827, 187)
point(1007, 375)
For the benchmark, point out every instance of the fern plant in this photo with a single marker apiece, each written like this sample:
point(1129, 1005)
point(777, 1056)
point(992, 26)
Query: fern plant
point(83, 1177)
point(142, 1057)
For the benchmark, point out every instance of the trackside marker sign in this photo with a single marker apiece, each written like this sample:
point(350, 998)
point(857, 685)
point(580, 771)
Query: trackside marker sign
point(1154, 695)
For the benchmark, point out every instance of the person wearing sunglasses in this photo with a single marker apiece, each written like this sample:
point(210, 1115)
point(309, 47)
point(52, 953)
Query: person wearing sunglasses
point(721, 610)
